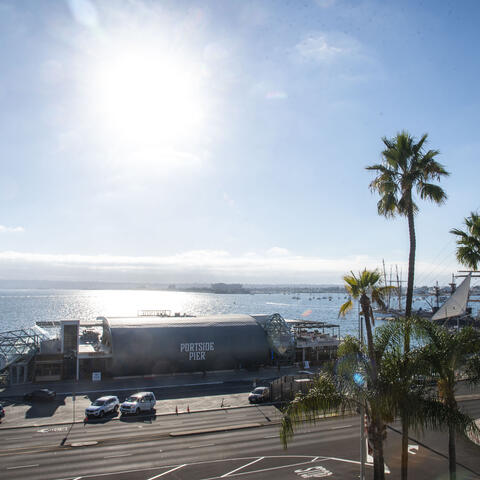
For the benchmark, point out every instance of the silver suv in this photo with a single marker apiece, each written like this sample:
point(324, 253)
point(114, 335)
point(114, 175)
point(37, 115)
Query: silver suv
point(102, 405)
point(138, 402)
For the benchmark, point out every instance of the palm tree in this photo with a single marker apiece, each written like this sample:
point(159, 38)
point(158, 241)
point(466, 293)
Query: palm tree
point(339, 392)
point(468, 242)
point(353, 384)
point(446, 354)
point(407, 167)
point(367, 288)
point(360, 287)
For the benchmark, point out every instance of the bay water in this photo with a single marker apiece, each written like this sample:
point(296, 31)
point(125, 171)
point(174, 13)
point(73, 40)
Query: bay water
point(22, 308)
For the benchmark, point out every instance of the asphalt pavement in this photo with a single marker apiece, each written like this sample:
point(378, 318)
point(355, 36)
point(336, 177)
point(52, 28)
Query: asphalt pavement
point(241, 442)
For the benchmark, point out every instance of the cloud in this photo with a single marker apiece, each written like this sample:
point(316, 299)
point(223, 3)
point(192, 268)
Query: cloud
point(84, 12)
point(326, 47)
point(277, 265)
point(4, 229)
point(277, 252)
point(228, 200)
point(276, 95)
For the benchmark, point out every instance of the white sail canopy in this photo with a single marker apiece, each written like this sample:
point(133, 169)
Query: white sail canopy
point(457, 304)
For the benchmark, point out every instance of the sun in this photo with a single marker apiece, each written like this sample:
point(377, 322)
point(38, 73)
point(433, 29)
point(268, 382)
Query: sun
point(146, 97)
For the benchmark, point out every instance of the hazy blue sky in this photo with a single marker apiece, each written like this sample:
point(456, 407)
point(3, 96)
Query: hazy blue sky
point(226, 140)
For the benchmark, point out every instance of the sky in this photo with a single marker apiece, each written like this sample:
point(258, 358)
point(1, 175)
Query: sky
point(186, 141)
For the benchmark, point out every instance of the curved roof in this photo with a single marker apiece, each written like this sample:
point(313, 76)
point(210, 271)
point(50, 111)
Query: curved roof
point(172, 322)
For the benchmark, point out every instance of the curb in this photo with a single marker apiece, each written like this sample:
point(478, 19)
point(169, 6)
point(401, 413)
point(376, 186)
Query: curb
point(227, 428)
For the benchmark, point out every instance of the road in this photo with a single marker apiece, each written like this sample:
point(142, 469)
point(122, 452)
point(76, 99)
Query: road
point(184, 447)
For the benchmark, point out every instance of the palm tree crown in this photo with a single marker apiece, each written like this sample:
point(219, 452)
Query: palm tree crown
point(468, 242)
point(406, 167)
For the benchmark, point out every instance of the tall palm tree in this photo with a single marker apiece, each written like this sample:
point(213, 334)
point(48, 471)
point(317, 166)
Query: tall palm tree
point(406, 168)
point(446, 354)
point(468, 242)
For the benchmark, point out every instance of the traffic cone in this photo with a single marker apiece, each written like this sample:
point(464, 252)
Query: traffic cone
point(176, 410)
point(188, 408)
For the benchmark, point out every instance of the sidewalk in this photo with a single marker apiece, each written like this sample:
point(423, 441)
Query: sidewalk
point(150, 382)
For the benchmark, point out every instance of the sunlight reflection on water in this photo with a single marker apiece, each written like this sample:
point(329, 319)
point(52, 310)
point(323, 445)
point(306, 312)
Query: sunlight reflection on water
point(22, 308)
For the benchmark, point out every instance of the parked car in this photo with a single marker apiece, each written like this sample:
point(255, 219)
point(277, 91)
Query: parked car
point(260, 394)
point(42, 395)
point(103, 405)
point(138, 402)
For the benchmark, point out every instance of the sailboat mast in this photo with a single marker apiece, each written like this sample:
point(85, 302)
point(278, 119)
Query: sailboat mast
point(399, 288)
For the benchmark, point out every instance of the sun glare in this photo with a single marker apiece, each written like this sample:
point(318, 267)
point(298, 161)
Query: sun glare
point(148, 98)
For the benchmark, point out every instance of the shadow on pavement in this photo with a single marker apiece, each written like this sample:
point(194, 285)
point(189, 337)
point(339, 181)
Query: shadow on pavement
point(40, 409)
point(143, 417)
point(101, 420)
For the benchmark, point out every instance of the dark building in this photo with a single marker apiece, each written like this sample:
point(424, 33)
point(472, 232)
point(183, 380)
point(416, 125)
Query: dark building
point(149, 345)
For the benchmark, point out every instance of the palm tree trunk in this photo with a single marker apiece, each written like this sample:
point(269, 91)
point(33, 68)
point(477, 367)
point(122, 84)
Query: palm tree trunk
point(378, 458)
point(452, 455)
point(366, 309)
point(411, 263)
point(406, 341)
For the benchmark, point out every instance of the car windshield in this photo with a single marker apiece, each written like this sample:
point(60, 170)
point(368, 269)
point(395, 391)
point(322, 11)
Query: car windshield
point(132, 399)
point(98, 403)
point(258, 391)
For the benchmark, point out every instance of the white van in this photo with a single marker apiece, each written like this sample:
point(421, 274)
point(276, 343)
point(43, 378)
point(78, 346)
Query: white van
point(138, 402)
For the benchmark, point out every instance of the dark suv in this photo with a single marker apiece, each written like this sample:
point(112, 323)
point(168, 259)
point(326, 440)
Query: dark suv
point(42, 395)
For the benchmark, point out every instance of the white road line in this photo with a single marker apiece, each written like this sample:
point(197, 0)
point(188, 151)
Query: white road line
point(264, 469)
point(204, 445)
point(342, 426)
point(242, 467)
point(134, 470)
point(22, 466)
point(271, 436)
point(168, 471)
point(119, 455)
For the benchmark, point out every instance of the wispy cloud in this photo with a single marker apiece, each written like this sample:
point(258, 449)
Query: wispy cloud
point(4, 229)
point(228, 200)
point(277, 252)
point(276, 95)
point(326, 47)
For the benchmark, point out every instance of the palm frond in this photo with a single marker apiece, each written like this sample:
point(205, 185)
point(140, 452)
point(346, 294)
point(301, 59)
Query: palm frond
point(430, 191)
point(346, 307)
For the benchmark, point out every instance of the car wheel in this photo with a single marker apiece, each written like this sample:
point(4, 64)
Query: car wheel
point(137, 411)
point(102, 414)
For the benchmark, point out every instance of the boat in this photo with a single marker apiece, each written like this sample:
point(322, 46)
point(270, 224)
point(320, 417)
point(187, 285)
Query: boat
point(455, 312)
